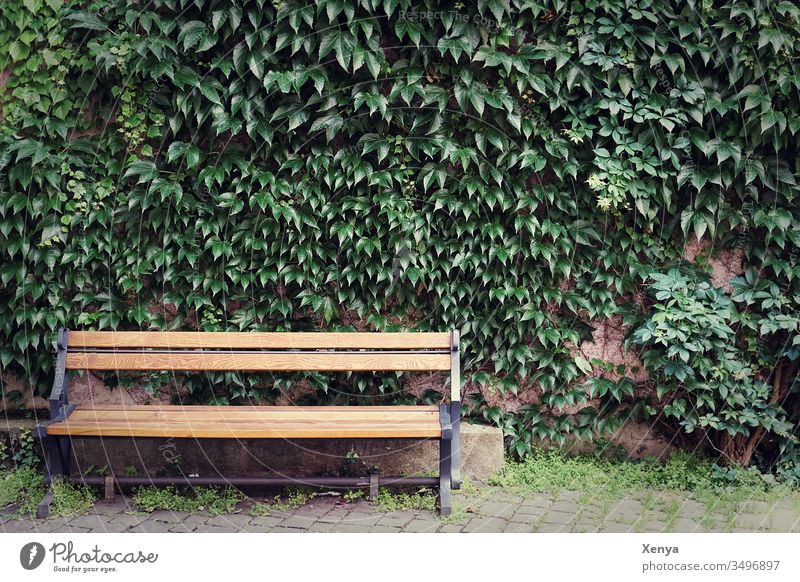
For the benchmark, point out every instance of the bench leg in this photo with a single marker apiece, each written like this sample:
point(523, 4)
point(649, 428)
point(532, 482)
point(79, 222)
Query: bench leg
point(109, 488)
point(455, 453)
point(374, 480)
point(43, 509)
point(445, 504)
point(53, 466)
point(65, 448)
point(53, 459)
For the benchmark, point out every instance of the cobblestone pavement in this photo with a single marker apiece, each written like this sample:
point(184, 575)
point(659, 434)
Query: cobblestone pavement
point(491, 509)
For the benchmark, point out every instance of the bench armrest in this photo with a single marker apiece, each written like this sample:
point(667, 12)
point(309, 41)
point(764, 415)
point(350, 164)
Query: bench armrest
point(455, 367)
point(58, 395)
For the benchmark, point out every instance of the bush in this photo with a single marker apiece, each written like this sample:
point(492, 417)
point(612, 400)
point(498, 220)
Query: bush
point(709, 361)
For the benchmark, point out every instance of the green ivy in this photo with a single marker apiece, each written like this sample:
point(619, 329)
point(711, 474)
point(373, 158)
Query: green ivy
point(514, 169)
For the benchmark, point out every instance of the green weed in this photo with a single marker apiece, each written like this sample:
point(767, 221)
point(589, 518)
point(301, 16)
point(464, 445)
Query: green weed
point(211, 499)
point(71, 499)
point(295, 497)
point(388, 501)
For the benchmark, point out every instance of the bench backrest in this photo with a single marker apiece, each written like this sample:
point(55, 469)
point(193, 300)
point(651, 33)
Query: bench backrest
point(273, 351)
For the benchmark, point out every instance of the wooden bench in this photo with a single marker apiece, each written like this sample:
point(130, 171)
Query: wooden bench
point(277, 352)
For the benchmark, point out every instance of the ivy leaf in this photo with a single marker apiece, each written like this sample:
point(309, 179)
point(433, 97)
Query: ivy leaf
point(145, 169)
point(86, 19)
point(192, 33)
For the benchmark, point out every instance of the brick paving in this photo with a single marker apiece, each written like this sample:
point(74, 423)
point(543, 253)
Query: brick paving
point(487, 509)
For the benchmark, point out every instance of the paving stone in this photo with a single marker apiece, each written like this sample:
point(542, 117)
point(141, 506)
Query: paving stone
point(396, 520)
point(151, 527)
point(506, 497)
point(128, 519)
point(571, 495)
point(584, 528)
point(300, 522)
point(250, 528)
point(349, 528)
point(266, 521)
point(783, 520)
point(211, 529)
point(57, 525)
point(109, 527)
point(169, 516)
point(684, 525)
point(615, 527)
point(756, 507)
point(234, 520)
point(537, 500)
point(493, 510)
point(496, 509)
point(552, 528)
point(559, 517)
point(194, 521)
point(109, 507)
point(530, 511)
point(314, 510)
point(321, 527)
point(422, 525)
point(565, 507)
point(21, 526)
point(94, 522)
point(361, 519)
point(483, 524)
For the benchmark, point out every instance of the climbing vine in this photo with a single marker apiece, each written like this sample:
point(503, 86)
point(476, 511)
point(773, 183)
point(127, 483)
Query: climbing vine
point(518, 170)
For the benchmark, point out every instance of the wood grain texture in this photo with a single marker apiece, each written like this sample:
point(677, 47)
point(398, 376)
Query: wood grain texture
point(254, 340)
point(250, 422)
point(221, 361)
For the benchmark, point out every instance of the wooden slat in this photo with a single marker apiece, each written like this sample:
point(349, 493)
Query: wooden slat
point(183, 422)
point(220, 361)
point(254, 340)
point(246, 414)
point(199, 407)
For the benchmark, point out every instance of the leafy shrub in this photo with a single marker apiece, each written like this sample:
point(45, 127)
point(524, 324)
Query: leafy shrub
point(708, 360)
point(22, 486)
point(23, 447)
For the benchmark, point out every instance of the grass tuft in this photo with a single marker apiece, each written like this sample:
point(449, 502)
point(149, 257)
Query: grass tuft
point(211, 499)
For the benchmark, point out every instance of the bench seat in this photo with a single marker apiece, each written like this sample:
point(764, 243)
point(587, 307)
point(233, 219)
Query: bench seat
point(262, 422)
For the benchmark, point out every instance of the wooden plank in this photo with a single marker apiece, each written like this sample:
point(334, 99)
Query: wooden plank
point(349, 409)
point(220, 361)
point(259, 340)
point(248, 430)
point(255, 414)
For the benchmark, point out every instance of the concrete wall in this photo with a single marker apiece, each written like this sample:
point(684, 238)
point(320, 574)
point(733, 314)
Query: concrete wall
point(482, 455)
